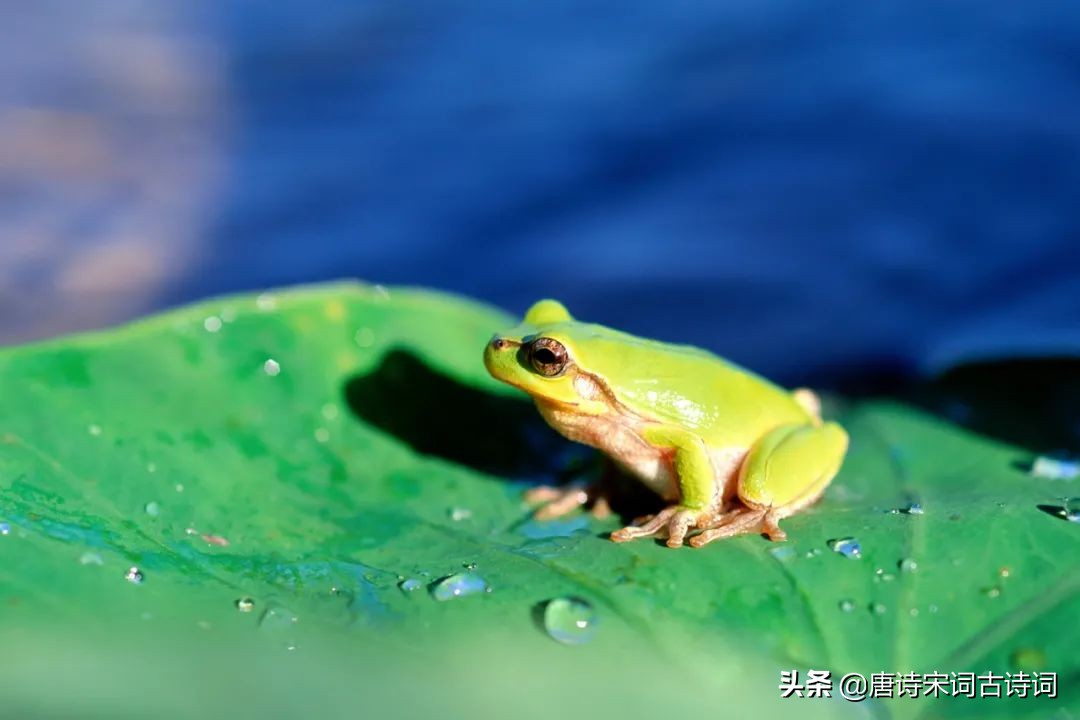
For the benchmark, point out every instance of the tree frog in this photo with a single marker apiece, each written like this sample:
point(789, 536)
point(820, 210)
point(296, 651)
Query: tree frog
point(730, 452)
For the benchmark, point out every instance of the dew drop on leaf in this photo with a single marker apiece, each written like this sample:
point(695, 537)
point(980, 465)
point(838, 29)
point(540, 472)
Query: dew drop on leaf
point(784, 552)
point(458, 585)
point(1052, 468)
point(570, 621)
point(408, 585)
point(134, 575)
point(848, 547)
point(846, 605)
point(245, 604)
point(277, 618)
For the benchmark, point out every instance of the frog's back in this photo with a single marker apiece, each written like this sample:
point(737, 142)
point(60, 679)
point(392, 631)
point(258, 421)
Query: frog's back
point(684, 385)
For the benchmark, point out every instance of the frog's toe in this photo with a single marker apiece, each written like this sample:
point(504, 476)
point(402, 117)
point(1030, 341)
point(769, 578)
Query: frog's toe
point(680, 524)
point(739, 522)
point(562, 504)
point(673, 522)
point(542, 494)
point(651, 526)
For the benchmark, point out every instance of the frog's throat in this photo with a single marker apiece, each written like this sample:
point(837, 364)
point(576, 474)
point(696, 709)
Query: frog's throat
point(595, 391)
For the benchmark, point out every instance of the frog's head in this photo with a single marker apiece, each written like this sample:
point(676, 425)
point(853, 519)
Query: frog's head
point(539, 357)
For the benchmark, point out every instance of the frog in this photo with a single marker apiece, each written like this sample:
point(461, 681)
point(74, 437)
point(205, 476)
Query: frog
point(728, 451)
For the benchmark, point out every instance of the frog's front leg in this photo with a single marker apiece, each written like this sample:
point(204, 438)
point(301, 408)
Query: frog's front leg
point(784, 472)
point(699, 492)
point(556, 501)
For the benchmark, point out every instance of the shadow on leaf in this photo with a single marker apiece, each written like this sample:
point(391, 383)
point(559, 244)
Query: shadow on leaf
point(1032, 403)
point(437, 415)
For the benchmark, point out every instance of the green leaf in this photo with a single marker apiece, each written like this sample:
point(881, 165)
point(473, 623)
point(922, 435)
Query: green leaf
point(310, 449)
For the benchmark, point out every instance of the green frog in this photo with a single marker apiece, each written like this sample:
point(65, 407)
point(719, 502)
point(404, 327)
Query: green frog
point(729, 451)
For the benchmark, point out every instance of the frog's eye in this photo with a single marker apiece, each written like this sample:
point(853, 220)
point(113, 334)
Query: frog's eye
point(548, 357)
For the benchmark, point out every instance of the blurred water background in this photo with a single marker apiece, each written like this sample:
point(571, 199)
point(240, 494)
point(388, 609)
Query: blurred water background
point(821, 191)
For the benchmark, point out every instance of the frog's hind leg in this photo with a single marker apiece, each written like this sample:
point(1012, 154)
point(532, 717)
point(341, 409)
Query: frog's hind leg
point(784, 472)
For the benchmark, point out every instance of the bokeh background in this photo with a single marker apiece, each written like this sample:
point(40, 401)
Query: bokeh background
point(822, 191)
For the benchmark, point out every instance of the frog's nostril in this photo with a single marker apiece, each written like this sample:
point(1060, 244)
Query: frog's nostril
point(498, 343)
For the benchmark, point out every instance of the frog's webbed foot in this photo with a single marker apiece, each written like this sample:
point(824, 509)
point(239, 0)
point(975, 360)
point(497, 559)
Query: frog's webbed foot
point(739, 522)
point(556, 502)
point(674, 522)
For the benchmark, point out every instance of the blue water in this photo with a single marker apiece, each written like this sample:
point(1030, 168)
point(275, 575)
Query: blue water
point(816, 190)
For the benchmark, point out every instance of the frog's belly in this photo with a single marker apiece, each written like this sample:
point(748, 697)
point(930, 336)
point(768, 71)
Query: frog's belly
point(619, 438)
point(648, 464)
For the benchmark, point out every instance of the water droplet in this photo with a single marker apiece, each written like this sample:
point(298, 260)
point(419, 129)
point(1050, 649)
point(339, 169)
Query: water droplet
point(408, 585)
point(1004, 572)
point(228, 314)
point(276, 618)
point(245, 604)
point(266, 302)
point(1071, 509)
point(992, 592)
point(152, 509)
point(469, 565)
point(151, 468)
point(322, 435)
point(912, 509)
point(813, 552)
point(90, 558)
point(933, 609)
point(908, 565)
point(5, 528)
point(848, 547)
point(94, 430)
point(134, 575)
point(846, 605)
point(212, 324)
point(458, 585)
point(1052, 468)
point(364, 337)
point(881, 576)
point(330, 411)
point(179, 487)
point(571, 621)
point(877, 608)
point(271, 367)
point(458, 514)
point(784, 552)
point(1028, 659)
point(913, 612)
